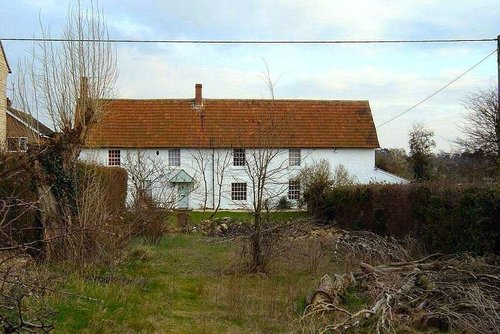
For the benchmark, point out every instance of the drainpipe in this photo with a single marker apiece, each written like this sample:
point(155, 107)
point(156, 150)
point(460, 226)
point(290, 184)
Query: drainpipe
point(213, 179)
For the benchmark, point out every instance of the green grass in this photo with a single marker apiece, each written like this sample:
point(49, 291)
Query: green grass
point(184, 285)
point(280, 216)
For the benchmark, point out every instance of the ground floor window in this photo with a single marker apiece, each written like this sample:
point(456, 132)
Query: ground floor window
point(17, 144)
point(114, 157)
point(294, 190)
point(239, 191)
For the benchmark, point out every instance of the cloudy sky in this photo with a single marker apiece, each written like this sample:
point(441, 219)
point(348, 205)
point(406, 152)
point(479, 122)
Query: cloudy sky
point(392, 77)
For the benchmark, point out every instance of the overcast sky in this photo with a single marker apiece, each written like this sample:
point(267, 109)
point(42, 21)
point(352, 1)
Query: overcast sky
point(391, 77)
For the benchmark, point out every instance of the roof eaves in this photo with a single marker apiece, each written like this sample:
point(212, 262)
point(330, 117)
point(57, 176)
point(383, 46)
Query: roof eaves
point(5, 57)
point(26, 119)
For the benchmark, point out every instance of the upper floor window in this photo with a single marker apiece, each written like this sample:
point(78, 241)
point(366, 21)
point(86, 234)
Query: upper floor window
point(294, 190)
point(114, 158)
point(17, 144)
point(239, 157)
point(294, 157)
point(174, 157)
point(239, 191)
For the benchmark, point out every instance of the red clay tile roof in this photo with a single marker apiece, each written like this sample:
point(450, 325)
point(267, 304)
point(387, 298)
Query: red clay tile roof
point(234, 123)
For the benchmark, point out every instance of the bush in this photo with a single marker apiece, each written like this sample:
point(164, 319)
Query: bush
point(283, 203)
point(445, 218)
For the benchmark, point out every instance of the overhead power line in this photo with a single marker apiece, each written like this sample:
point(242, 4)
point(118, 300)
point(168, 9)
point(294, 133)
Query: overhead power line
point(439, 90)
point(214, 41)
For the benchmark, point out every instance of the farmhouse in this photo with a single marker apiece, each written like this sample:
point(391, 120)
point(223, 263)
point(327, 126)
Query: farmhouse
point(205, 146)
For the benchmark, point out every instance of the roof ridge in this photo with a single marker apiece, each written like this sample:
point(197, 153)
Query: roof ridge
point(233, 100)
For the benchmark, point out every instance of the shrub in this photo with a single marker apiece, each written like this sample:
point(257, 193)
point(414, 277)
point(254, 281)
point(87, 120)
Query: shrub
point(283, 203)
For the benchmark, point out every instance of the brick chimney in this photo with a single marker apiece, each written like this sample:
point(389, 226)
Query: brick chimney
point(198, 99)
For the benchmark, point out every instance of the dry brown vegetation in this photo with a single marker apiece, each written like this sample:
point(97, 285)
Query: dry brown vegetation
point(435, 292)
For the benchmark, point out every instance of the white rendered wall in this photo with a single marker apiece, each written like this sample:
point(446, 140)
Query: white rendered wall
point(198, 162)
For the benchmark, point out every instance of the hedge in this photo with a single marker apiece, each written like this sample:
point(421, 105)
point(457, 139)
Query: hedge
point(114, 180)
point(18, 197)
point(445, 218)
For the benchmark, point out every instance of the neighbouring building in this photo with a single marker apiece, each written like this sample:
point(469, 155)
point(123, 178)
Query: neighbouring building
point(22, 129)
point(17, 128)
point(206, 145)
point(4, 72)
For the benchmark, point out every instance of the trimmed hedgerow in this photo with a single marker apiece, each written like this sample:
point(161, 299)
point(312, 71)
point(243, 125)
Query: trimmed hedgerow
point(113, 179)
point(444, 217)
point(18, 199)
point(17, 202)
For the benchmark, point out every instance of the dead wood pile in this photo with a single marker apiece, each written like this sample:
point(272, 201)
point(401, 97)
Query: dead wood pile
point(447, 292)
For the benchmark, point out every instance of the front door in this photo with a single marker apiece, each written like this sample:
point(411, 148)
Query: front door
point(183, 195)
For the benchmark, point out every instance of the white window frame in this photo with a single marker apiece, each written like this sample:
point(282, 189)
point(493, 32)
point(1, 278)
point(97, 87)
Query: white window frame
point(239, 191)
point(294, 190)
point(174, 157)
point(21, 144)
point(294, 157)
point(114, 157)
point(239, 157)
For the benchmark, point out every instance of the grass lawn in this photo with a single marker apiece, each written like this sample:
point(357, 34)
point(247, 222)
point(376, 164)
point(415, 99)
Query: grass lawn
point(186, 284)
point(198, 216)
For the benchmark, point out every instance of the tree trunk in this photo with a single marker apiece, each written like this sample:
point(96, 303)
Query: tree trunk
point(55, 179)
point(257, 260)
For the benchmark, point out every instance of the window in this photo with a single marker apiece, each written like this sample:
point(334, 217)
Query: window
point(294, 190)
point(114, 157)
point(12, 144)
point(239, 191)
point(239, 157)
point(23, 144)
point(294, 157)
point(15, 144)
point(174, 157)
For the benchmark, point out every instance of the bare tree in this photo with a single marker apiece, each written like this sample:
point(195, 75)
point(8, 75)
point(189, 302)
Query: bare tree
point(482, 125)
point(148, 177)
point(201, 159)
point(222, 161)
point(65, 83)
point(152, 196)
point(266, 167)
point(219, 161)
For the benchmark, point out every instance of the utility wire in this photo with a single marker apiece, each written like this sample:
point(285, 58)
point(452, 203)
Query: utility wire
point(439, 90)
point(213, 41)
